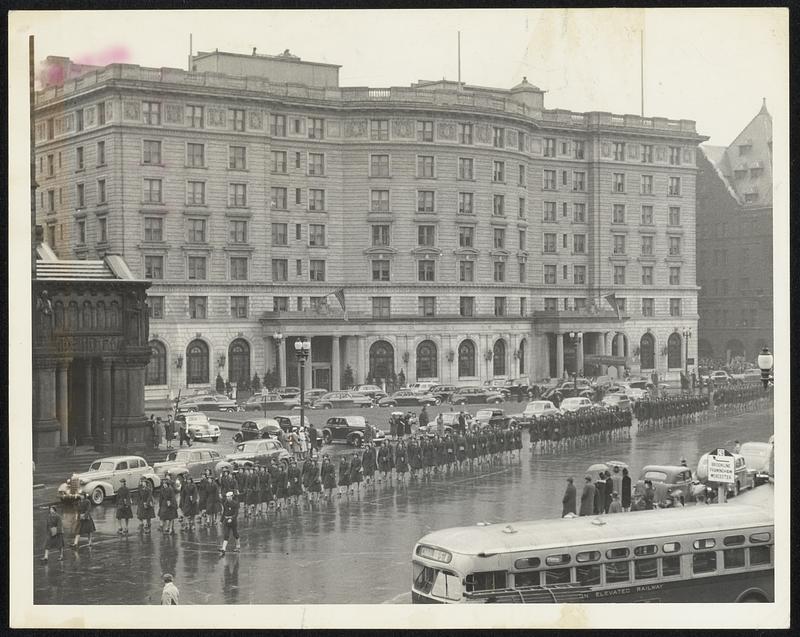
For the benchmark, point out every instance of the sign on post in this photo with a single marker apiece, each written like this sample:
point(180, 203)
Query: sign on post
point(264, 392)
point(721, 466)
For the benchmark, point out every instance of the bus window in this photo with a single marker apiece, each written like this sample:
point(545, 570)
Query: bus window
point(646, 549)
point(733, 540)
point(447, 585)
point(758, 538)
point(423, 578)
point(733, 558)
point(705, 562)
point(588, 574)
point(759, 555)
point(527, 562)
point(530, 578)
point(645, 569)
point(617, 572)
point(617, 554)
point(555, 560)
point(588, 556)
point(671, 547)
point(557, 576)
point(671, 566)
point(706, 543)
point(486, 581)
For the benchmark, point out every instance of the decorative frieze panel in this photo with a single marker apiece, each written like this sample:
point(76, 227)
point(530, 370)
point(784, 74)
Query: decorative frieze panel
point(215, 117)
point(255, 120)
point(605, 149)
point(483, 134)
point(447, 131)
point(334, 128)
point(173, 114)
point(355, 128)
point(88, 116)
point(403, 128)
point(536, 146)
point(131, 111)
point(109, 111)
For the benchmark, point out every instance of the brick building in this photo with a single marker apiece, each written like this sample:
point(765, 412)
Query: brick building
point(734, 228)
point(471, 229)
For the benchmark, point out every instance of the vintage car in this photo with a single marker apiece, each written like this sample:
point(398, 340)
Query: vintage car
point(373, 391)
point(342, 399)
point(288, 392)
point(617, 400)
point(720, 377)
point(263, 402)
point(191, 461)
point(422, 387)
point(450, 419)
point(255, 452)
point(494, 417)
point(675, 477)
point(578, 403)
point(198, 426)
point(760, 459)
point(536, 409)
point(623, 387)
point(256, 429)
point(350, 430)
point(310, 395)
point(291, 422)
point(207, 402)
point(405, 397)
point(102, 480)
point(476, 395)
point(442, 392)
point(743, 478)
point(567, 390)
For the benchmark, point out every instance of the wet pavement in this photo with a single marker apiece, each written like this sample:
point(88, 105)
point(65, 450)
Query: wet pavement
point(352, 550)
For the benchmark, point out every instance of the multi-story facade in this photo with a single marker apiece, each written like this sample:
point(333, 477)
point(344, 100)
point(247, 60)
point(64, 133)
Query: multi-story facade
point(471, 229)
point(734, 228)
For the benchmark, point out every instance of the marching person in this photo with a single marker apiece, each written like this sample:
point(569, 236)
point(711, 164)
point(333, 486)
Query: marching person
point(344, 476)
point(385, 462)
point(328, 472)
point(369, 464)
point(189, 501)
point(568, 502)
point(145, 510)
point(55, 535)
point(170, 595)
point(123, 507)
point(85, 523)
point(314, 482)
point(230, 520)
point(167, 507)
point(169, 431)
point(294, 478)
point(183, 432)
point(356, 473)
point(213, 501)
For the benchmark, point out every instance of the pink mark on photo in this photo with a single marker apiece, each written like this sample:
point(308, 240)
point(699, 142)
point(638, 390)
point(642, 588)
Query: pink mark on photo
point(116, 53)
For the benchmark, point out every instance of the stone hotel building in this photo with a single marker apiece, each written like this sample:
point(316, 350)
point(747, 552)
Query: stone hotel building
point(474, 232)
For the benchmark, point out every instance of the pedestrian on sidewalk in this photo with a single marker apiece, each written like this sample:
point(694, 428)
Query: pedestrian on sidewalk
point(124, 513)
point(626, 491)
point(230, 521)
point(170, 596)
point(145, 511)
point(85, 523)
point(587, 497)
point(569, 501)
point(55, 535)
point(169, 431)
point(616, 505)
point(167, 507)
point(160, 434)
point(183, 432)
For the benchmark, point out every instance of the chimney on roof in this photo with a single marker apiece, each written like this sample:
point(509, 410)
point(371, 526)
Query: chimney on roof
point(764, 105)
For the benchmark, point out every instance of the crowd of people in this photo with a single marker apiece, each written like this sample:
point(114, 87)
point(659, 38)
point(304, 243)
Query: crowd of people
point(558, 432)
point(668, 411)
point(741, 397)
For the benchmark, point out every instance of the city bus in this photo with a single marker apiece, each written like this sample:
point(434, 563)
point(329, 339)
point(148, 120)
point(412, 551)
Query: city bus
point(701, 553)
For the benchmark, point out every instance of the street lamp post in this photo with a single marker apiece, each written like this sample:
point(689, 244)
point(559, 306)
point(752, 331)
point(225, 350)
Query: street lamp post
point(687, 334)
point(302, 348)
point(278, 338)
point(765, 364)
point(577, 339)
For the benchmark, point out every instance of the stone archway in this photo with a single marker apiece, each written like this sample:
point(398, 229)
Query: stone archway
point(239, 362)
point(466, 359)
point(427, 355)
point(647, 351)
point(197, 357)
point(381, 360)
point(499, 358)
point(674, 351)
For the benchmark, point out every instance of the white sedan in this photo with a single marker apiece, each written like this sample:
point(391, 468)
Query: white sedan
point(575, 403)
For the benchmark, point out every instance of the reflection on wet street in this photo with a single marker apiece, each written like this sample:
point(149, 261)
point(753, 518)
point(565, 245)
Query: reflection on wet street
point(351, 550)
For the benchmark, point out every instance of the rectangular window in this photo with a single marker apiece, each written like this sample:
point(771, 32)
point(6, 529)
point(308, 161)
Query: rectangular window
point(674, 186)
point(579, 181)
point(280, 269)
point(151, 191)
point(380, 235)
point(381, 307)
point(674, 155)
point(277, 125)
point(426, 270)
point(466, 307)
point(316, 270)
point(523, 272)
point(499, 306)
point(579, 243)
point(521, 209)
point(550, 305)
point(424, 131)
point(549, 208)
point(198, 307)
point(426, 236)
point(379, 201)
point(379, 165)
point(465, 206)
point(316, 164)
point(579, 212)
point(647, 245)
point(549, 180)
point(196, 230)
point(151, 152)
point(380, 270)
point(549, 147)
point(674, 216)
point(619, 182)
point(151, 113)
point(194, 114)
point(153, 267)
point(647, 307)
point(579, 274)
point(498, 136)
point(619, 275)
point(549, 242)
point(280, 303)
point(733, 558)
point(580, 149)
point(619, 151)
point(238, 268)
point(523, 240)
point(298, 267)
point(674, 307)
point(278, 198)
point(425, 166)
point(101, 153)
point(466, 237)
point(647, 215)
point(316, 235)
point(101, 114)
point(588, 574)
point(674, 246)
point(101, 191)
point(647, 184)
point(427, 305)
point(499, 271)
point(499, 205)
point(674, 276)
point(297, 126)
point(425, 201)
point(238, 307)
point(316, 128)
point(237, 195)
point(379, 130)
point(279, 234)
point(550, 274)
point(619, 244)
point(237, 119)
point(81, 232)
point(465, 168)
point(647, 154)
point(196, 193)
point(237, 231)
point(156, 304)
point(705, 562)
point(197, 268)
point(279, 161)
point(465, 134)
point(153, 229)
point(51, 163)
point(760, 555)
point(617, 572)
point(521, 179)
point(466, 271)
point(645, 569)
point(195, 155)
point(499, 171)
point(297, 231)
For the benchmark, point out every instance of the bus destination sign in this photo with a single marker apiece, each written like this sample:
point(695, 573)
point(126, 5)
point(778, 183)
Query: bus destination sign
point(721, 466)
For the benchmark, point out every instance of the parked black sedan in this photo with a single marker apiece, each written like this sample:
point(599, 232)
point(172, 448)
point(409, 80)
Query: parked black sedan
point(406, 397)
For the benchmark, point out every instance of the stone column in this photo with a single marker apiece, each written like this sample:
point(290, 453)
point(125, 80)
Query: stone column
point(87, 399)
point(579, 354)
point(106, 405)
point(361, 370)
point(62, 404)
point(308, 369)
point(282, 362)
point(268, 355)
point(45, 426)
point(559, 354)
point(335, 364)
point(620, 351)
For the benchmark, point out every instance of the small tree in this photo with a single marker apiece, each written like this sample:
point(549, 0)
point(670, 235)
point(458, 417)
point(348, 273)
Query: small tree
point(348, 379)
point(256, 383)
point(270, 380)
point(392, 382)
point(243, 384)
point(228, 387)
point(220, 384)
point(401, 378)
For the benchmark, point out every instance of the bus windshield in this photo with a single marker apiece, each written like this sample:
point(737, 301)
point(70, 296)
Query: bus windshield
point(437, 582)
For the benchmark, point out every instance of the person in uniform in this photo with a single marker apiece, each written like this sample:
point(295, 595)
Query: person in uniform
point(328, 476)
point(344, 476)
point(145, 510)
point(85, 523)
point(369, 464)
point(55, 534)
point(230, 522)
point(587, 497)
point(253, 492)
point(124, 512)
point(314, 482)
point(384, 462)
point(167, 507)
point(401, 462)
point(600, 494)
point(625, 497)
point(568, 501)
point(356, 473)
point(649, 494)
point(294, 479)
point(264, 491)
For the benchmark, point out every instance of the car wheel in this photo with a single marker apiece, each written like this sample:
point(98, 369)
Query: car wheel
point(326, 438)
point(328, 406)
point(214, 438)
point(230, 410)
point(98, 495)
point(152, 485)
